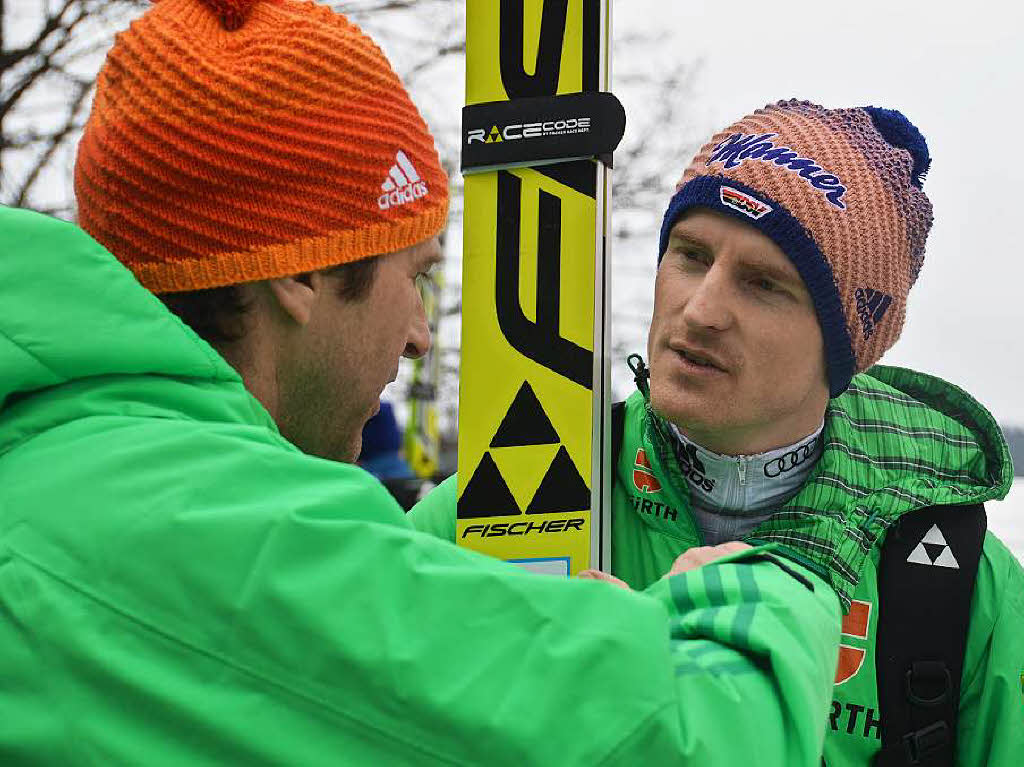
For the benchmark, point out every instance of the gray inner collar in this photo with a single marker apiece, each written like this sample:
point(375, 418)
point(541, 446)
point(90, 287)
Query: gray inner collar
point(746, 484)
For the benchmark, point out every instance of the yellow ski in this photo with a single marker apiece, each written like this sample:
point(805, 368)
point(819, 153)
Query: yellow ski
point(422, 439)
point(534, 385)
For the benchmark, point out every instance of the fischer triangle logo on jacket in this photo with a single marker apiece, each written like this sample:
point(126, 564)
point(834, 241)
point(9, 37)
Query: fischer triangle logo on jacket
point(934, 551)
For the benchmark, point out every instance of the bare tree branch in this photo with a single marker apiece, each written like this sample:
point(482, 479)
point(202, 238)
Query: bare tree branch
point(45, 66)
point(74, 123)
point(51, 24)
point(378, 6)
point(445, 50)
point(47, 80)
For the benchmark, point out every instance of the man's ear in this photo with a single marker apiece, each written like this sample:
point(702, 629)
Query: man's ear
point(295, 295)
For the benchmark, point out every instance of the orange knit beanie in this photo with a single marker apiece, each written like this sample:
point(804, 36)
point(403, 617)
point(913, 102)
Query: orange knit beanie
point(240, 140)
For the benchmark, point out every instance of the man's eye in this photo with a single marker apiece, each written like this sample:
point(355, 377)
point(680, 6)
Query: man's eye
point(692, 255)
point(766, 285)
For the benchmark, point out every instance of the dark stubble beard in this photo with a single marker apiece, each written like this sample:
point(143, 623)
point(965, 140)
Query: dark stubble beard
point(318, 419)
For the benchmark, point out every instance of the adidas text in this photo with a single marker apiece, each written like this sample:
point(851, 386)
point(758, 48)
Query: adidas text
point(693, 469)
point(403, 184)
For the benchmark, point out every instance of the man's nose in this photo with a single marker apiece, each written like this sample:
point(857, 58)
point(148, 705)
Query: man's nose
point(418, 343)
point(710, 305)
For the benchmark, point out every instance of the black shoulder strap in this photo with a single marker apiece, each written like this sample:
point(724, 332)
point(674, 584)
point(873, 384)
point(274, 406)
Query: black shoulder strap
point(618, 427)
point(925, 584)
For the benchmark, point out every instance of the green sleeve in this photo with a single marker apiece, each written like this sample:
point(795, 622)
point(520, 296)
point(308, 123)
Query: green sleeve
point(436, 513)
point(738, 632)
point(990, 728)
point(755, 641)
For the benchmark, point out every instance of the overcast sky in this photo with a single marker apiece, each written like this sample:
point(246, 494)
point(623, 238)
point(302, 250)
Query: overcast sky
point(957, 72)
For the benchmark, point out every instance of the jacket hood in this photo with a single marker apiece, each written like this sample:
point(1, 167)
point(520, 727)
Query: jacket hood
point(71, 316)
point(896, 441)
point(956, 449)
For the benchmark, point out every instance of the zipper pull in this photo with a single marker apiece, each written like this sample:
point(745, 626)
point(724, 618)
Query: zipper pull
point(640, 374)
point(742, 469)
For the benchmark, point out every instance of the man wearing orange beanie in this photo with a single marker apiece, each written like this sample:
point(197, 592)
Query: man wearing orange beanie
point(216, 166)
point(185, 579)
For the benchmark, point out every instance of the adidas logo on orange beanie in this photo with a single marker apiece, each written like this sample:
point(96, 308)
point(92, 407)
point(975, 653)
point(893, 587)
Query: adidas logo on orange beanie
point(240, 140)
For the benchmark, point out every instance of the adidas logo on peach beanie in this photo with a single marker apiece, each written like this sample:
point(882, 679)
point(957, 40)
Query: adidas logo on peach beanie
point(239, 140)
point(840, 192)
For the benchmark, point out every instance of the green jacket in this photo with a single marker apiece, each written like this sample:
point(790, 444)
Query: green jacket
point(180, 585)
point(895, 442)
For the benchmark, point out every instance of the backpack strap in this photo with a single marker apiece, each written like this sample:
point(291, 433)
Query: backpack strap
point(925, 584)
point(618, 428)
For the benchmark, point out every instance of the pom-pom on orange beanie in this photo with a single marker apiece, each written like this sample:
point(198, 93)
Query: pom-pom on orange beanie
point(240, 140)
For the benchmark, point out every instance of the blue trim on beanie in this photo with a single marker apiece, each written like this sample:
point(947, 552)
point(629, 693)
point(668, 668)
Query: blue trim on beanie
point(782, 228)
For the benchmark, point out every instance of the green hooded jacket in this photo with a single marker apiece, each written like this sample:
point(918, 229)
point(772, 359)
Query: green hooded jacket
point(180, 585)
point(896, 441)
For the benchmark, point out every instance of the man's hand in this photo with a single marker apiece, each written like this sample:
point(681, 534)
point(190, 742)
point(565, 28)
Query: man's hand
point(597, 575)
point(702, 555)
point(691, 560)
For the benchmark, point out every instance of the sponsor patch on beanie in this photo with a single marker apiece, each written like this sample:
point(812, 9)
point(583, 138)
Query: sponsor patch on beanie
point(744, 203)
point(403, 184)
point(871, 307)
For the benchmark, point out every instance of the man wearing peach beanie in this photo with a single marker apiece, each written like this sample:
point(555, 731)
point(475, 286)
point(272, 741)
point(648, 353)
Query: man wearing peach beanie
point(787, 253)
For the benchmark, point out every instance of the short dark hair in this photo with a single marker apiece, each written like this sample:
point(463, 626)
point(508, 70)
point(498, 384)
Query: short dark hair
point(216, 314)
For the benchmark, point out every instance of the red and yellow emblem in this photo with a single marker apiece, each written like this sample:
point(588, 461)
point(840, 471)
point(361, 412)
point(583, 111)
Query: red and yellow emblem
point(855, 624)
point(643, 477)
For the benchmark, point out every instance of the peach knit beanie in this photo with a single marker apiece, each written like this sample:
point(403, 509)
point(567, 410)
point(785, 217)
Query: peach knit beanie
point(239, 140)
point(840, 192)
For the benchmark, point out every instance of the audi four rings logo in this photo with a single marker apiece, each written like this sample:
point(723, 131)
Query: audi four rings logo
point(790, 460)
